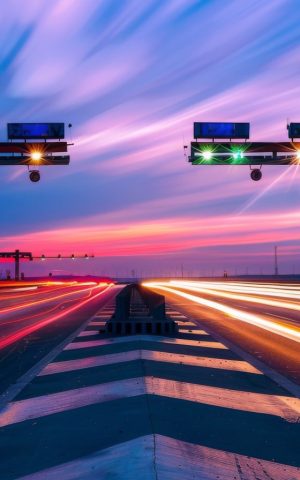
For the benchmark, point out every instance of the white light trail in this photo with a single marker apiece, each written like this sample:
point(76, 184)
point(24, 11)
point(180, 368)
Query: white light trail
point(250, 318)
point(259, 289)
point(198, 287)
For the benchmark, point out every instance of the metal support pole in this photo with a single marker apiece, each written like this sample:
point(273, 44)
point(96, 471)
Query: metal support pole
point(17, 265)
point(276, 261)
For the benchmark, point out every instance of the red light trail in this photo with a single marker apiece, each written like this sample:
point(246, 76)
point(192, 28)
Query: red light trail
point(93, 293)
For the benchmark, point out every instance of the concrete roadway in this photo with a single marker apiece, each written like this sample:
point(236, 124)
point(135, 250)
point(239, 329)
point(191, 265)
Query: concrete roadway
point(151, 407)
point(265, 321)
point(34, 322)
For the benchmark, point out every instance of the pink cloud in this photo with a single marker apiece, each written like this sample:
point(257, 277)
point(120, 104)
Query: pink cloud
point(167, 236)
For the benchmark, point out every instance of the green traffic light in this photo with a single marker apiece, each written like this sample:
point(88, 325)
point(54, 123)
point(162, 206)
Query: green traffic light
point(238, 155)
point(207, 155)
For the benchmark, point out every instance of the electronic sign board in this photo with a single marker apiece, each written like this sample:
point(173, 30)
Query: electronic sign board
point(221, 130)
point(294, 130)
point(30, 131)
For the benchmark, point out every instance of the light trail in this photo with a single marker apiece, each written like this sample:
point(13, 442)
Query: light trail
point(20, 289)
point(32, 328)
point(250, 318)
point(46, 300)
point(252, 288)
point(44, 283)
point(37, 292)
point(44, 312)
point(197, 287)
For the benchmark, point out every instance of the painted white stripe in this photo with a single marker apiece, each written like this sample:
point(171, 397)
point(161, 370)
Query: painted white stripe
point(177, 460)
point(101, 360)
point(90, 362)
point(95, 324)
point(281, 406)
point(45, 405)
point(89, 333)
point(186, 324)
point(193, 331)
point(285, 407)
point(163, 458)
point(144, 338)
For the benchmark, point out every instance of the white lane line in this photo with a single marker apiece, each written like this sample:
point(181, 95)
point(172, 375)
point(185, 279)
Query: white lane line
point(37, 407)
point(88, 333)
point(281, 406)
point(179, 319)
point(144, 338)
point(96, 361)
point(186, 324)
point(112, 462)
point(193, 332)
point(90, 362)
point(162, 457)
point(95, 324)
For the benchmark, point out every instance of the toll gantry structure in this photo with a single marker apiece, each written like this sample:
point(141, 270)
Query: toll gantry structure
point(35, 145)
point(236, 149)
point(17, 256)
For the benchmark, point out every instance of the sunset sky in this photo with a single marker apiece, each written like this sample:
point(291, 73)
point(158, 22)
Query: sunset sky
point(132, 76)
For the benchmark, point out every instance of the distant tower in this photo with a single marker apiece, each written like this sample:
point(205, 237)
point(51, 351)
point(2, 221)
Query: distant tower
point(275, 261)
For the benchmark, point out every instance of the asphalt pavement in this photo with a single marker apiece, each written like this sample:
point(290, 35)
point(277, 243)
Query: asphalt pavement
point(34, 322)
point(269, 332)
point(148, 406)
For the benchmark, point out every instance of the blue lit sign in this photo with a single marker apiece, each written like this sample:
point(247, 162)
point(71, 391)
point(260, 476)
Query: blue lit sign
point(294, 130)
point(221, 130)
point(45, 131)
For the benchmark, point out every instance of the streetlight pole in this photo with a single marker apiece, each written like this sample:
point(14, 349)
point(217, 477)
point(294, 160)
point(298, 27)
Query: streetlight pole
point(276, 261)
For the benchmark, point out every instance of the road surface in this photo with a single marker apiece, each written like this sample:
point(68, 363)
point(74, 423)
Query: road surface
point(36, 318)
point(155, 407)
point(263, 319)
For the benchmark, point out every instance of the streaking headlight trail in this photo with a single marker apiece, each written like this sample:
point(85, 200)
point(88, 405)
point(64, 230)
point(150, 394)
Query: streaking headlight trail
point(201, 288)
point(250, 318)
point(93, 293)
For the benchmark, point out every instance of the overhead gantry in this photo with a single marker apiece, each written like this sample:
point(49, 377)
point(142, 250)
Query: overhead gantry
point(237, 150)
point(17, 256)
point(34, 145)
